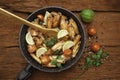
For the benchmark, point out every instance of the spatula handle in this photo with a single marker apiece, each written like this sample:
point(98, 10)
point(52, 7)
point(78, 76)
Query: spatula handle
point(51, 32)
point(8, 14)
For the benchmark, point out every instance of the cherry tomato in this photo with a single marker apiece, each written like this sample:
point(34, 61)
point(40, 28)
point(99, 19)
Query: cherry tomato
point(95, 47)
point(40, 16)
point(67, 53)
point(31, 48)
point(45, 60)
point(91, 31)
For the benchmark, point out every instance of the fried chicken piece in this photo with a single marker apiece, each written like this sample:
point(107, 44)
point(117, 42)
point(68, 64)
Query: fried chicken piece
point(63, 23)
point(74, 25)
point(49, 22)
point(56, 19)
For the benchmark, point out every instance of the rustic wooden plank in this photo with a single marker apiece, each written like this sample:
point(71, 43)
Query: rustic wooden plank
point(9, 29)
point(12, 61)
point(104, 72)
point(76, 5)
point(107, 25)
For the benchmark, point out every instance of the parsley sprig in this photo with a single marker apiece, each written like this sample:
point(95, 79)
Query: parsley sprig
point(95, 59)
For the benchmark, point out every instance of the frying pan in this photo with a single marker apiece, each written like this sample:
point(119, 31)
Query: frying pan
point(32, 64)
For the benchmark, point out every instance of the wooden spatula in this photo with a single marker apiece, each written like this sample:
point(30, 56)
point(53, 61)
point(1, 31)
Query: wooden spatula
point(49, 32)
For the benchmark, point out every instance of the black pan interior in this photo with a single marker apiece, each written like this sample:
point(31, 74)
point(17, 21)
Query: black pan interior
point(23, 44)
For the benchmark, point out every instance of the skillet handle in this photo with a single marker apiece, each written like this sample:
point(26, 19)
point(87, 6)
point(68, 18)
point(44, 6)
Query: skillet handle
point(25, 73)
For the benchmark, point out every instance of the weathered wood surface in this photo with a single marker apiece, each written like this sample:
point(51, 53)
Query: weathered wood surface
point(106, 23)
point(73, 5)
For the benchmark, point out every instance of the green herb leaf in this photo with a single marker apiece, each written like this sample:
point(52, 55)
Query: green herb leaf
point(95, 59)
point(98, 57)
point(60, 58)
point(88, 59)
point(94, 56)
point(89, 62)
point(54, 40)
point(50, 43)
point(59, 65)
point(100, 52)
point(97, 63)
point(54, 62)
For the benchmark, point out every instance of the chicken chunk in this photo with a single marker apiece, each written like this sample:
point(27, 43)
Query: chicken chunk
point(74, 25)
point(77, 39)
point(71, 32)
point(49, 22)
point(63, 23)
point(56, 18)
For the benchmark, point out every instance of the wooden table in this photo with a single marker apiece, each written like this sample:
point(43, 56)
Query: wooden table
point(106, 21)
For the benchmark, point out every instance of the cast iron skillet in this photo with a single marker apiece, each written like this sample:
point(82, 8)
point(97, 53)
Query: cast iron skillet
point(32, 64)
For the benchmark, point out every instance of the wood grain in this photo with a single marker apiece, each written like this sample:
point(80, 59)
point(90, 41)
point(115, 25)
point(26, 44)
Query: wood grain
point(106, 21)
point(107, 25)
point(11, 66)
point(76, 5)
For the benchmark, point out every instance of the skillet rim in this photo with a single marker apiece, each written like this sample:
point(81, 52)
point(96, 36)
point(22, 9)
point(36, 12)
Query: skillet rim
point(76, 59)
